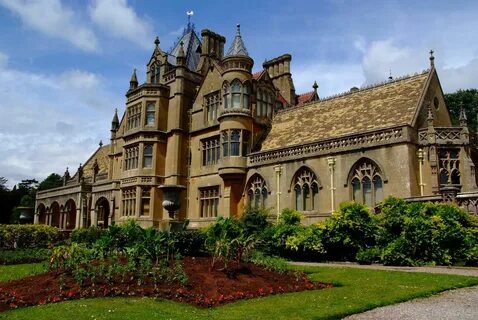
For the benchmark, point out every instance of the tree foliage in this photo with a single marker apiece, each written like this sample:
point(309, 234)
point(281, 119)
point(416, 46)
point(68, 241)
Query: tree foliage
point(469, 100)
point(54, 180)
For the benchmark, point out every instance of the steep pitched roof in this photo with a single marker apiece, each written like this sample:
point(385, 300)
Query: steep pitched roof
point(305, 97)
point(191, 43)
point(101, 156)
point(238, 47)
point(377, 107)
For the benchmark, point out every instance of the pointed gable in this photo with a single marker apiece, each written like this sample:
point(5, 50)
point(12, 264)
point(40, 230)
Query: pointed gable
point(191, 47)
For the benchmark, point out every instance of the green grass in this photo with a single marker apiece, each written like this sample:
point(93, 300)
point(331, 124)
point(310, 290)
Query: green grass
point(18, 271)
point(357, 290)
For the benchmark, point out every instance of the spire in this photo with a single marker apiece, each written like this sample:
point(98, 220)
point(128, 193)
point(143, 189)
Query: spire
point(181, 57)
point(237, 47)
point(133, 82)
point(115, 121)
point(432, 59)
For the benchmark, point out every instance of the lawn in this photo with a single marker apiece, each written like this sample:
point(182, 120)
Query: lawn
point(18, 271)
point(357, 290)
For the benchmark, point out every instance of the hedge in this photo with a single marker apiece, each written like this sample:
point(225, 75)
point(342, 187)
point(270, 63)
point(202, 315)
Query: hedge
point(16, 236)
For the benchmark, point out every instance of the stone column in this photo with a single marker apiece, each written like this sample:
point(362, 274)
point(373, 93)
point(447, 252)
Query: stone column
point(331, 163)
point(278, 171)
point(421, 156)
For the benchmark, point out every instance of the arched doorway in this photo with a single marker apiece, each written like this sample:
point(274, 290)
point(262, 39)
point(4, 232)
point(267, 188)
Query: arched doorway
point(102, 212)
point(41, 210)
point(55, 214)
point(70, 214)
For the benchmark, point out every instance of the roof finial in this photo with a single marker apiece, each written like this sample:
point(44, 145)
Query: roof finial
point(315, 86)
point(390, 75)
point(156, 41)
point(430, 114)
point(101, 143)
point(432, 59)
point(238, 30)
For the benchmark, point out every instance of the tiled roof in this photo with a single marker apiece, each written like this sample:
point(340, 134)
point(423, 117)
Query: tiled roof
point(101, 154)
point(389, 104)
point(258, 74)
point(305, 97)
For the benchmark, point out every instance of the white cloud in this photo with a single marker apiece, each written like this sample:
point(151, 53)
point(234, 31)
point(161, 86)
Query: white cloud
point(121, 21)
point(53, 19)
point(54, 121)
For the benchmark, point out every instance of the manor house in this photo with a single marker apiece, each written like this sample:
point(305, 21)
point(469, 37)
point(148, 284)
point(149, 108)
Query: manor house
point(207, 136)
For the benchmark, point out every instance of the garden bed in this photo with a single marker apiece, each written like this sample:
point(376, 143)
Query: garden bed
point(205, 288)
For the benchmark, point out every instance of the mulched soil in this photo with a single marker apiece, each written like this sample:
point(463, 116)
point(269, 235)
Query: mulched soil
point(206, 287)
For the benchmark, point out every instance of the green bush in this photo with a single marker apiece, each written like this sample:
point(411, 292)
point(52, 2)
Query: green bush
point(254, 220)
point(19, 256)
point(307, 243)
point(348, 230)
point(189, 242)
point(269, 262)
point(368, 256)
point(87, 235)
point(425, 233)
point(28, 236)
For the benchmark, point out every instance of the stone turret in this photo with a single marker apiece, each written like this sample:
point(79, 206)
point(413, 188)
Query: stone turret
point(133, 82)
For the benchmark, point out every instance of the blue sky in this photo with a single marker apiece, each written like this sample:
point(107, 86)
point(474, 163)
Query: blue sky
point(65, 65)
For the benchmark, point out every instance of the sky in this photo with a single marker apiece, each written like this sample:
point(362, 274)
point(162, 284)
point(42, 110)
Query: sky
point(65, 65)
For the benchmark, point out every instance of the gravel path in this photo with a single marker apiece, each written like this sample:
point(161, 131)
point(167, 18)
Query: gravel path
point(454, 304)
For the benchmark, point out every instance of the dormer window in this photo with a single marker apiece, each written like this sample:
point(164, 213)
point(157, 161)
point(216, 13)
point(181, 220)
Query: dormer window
point(155, 73)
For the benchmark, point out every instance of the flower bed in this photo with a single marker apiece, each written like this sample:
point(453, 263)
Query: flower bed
point(206, 287)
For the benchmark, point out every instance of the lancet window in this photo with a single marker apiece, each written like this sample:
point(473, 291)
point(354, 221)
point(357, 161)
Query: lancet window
point(449, 164)
point(367, 183)
point(306, 190)
point(257, 191)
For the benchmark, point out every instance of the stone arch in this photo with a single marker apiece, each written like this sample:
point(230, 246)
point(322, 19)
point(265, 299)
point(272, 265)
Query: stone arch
point(55, 214)
point(372, 160)
point(305, 185)
point(102, 208)
point(256, 191)
point(70, 214)
point(41, 211)
point(366, 180)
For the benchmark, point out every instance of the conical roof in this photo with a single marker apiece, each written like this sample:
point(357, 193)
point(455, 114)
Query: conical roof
point(237, 47)
point(190, 45)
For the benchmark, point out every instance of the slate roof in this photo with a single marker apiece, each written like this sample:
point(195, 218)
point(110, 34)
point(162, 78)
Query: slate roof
point(378, 107)
point(237, 47)
point(191, 43)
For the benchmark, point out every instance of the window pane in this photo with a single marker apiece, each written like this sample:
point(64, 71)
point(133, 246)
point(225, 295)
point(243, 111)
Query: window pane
point(367, 191)
point(257, 198)
point(298, 197)
point(236, 100)
point(235, 138)
point(356, 191)
point(306, 204)
point(246, 102)
point(236, 87)
point(377, 184)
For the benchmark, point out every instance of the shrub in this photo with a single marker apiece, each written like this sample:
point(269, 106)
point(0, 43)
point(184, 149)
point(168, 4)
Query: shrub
point(28, 236)
point(350, 229)
point(87, 235)
point(307, 243)
point(269, 262)
point(254, 220)
point(368, 256)
point(220, 239)
point(189, 242)
point(425, 233)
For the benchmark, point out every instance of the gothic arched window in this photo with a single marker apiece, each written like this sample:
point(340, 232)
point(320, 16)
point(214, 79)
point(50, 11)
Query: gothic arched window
point(306, 190)
point(257, 191)
point(236, 89)
point(155, 73)
point(367, 183)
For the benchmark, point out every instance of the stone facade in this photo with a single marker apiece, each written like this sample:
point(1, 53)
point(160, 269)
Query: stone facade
point(205, 128)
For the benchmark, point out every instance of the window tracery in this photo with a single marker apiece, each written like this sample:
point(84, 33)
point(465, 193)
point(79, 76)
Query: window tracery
point(367, 183)
point(306, 190)
point(257, 192)
point(449, 164)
